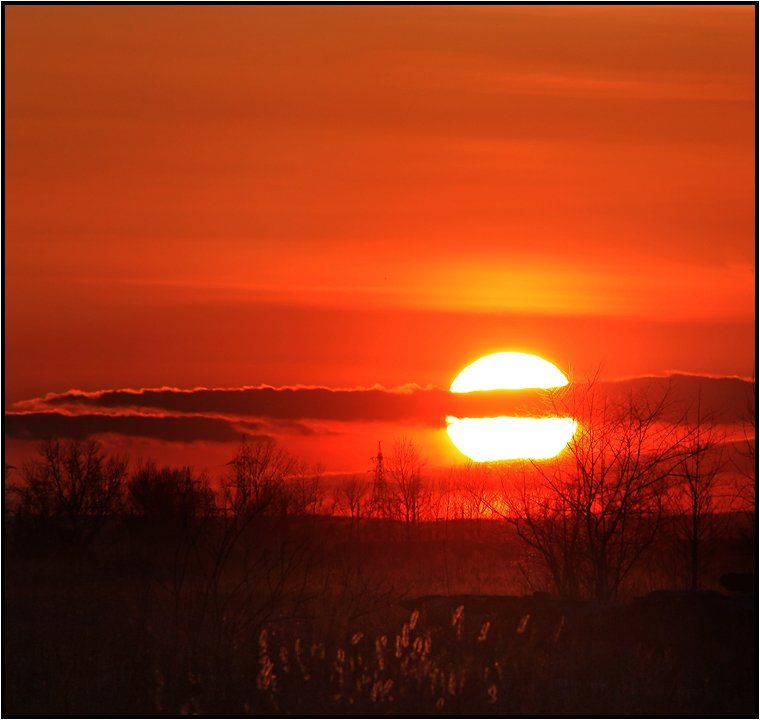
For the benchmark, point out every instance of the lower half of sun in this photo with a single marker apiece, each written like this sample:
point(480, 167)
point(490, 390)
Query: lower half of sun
point(489, 439)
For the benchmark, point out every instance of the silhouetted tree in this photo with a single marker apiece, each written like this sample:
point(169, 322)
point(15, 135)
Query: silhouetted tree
point(592, 513)
point(304, 492)
point(169, 492)
point(411, 491)
point(256, 478)
point(351, 497)
point(241, 569)
point(73, 484)
point(693, 491)
point(745, 462)
point(477, 483)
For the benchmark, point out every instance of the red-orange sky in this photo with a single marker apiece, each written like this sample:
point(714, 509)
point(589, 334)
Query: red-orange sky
point(345, 196)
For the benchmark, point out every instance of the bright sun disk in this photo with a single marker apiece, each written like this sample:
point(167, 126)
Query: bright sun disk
point(509, 438)
point(508, 371)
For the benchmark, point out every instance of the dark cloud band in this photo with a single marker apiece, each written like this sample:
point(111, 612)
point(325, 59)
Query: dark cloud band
point(36, 426)
point(223, 414)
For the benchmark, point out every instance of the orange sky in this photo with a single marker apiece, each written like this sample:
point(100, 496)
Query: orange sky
point(228, 196)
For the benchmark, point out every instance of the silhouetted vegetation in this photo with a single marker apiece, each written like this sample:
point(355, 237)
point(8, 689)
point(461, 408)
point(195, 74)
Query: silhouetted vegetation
point(157, 591)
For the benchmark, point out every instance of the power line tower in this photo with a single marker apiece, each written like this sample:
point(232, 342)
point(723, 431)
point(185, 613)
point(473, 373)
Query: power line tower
point(379, 488)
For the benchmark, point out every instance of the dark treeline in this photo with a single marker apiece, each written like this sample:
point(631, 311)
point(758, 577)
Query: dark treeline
point(628, 482)
point(139, 589)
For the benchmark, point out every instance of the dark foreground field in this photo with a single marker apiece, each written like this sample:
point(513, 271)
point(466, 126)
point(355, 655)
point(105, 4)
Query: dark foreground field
point(315, 619)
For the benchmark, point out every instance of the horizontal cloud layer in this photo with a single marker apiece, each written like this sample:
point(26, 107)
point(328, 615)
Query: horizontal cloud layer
point(33, 426)
point(224, 414)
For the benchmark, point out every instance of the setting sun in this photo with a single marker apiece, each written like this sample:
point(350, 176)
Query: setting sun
point(509, 438)
point(508, 371)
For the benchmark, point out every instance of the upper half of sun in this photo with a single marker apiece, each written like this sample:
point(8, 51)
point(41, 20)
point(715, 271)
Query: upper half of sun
point(508, 371)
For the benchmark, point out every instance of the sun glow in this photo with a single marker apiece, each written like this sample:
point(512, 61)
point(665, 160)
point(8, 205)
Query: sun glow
point(490, 439)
